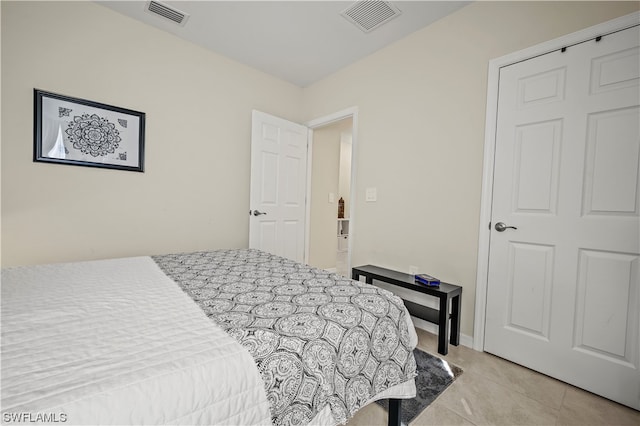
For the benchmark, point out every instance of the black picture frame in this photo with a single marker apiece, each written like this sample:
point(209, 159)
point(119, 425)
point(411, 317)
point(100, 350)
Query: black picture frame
point(80, 132)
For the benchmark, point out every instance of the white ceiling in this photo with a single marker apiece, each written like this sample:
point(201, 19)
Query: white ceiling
point(297, 41)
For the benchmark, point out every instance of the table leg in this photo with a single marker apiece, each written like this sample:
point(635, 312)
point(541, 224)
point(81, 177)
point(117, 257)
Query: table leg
point(455, 321)
point(395, 411)
point(356, 276)
point(443, 326)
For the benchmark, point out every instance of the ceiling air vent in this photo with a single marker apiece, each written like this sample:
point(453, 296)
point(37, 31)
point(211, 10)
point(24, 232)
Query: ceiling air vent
point(167, 12)
point(370, 14)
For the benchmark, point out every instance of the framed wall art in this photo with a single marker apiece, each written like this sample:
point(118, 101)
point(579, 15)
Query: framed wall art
point(84, 133)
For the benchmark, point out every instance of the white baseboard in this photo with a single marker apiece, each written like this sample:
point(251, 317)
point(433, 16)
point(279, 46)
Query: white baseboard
point(332, 270)
point(433, 328)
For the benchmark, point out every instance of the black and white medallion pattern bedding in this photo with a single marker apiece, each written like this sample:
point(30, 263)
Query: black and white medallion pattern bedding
point(317, 338)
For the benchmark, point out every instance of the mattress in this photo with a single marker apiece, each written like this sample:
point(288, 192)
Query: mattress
point(117, 342)
point(138, 341)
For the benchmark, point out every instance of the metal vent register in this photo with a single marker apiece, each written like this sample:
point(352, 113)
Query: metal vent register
point(368, 15)
point(167, 12)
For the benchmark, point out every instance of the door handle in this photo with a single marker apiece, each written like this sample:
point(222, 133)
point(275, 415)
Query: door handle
point(501, 227)
point(257, 213)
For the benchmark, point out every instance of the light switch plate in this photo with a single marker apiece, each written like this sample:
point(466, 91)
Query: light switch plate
point(371, 194)
point(332, 197)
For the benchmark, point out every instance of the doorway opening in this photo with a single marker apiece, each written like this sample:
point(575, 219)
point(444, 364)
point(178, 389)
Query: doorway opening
point(330, 180)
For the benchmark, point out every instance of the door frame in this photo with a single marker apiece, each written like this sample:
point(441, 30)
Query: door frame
point(352, 113)
point(484, 236)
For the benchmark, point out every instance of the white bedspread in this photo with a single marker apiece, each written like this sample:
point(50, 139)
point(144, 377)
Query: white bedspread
point(115, 345)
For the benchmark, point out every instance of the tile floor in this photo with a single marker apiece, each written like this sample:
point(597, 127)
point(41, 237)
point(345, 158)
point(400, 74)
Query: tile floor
point(492, 391)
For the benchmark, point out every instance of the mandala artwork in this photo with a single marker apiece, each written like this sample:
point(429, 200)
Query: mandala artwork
point(63, 112)
point(93, 135)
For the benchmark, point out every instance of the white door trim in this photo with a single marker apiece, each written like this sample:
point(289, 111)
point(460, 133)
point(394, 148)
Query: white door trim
point(489, 148)
point(352, 113)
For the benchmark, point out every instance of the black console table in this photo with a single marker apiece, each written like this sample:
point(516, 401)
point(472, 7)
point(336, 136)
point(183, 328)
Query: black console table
point(445, 293)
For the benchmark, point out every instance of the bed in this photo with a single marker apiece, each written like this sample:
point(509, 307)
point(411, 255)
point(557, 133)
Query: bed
point(219, 337)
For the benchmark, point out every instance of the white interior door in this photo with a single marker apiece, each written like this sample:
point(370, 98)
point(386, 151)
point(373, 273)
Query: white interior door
point(278, 186)
point(563, 288)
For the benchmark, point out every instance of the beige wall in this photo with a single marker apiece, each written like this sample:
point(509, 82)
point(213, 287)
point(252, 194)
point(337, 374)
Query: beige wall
point(194, 193)
point(421, 116)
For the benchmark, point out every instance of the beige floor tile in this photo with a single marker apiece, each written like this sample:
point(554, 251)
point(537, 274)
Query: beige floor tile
point(428, 341)
point(484, 402)
point(437, 414)
point(493, 391)
point(584, 408)
point(371, 415)
point(543, 389)
point(539, 387)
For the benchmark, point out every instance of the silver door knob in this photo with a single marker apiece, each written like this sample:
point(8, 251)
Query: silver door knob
point(257, 213)
point(500, 227)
